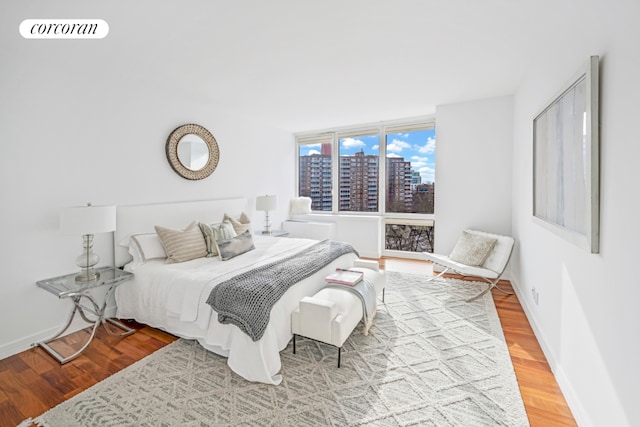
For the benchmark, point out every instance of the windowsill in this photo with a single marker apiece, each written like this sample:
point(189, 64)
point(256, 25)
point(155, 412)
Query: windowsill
point(365, 215)
point(356, 216)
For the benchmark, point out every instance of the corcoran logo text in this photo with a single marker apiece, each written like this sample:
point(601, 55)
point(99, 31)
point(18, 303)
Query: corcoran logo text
point(64, 28)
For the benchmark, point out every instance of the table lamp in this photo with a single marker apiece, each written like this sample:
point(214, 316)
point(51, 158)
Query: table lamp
point(87, 221)
point(266, 204)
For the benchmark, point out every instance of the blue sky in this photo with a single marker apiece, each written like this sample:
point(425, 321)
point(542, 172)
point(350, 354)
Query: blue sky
point(418, 147)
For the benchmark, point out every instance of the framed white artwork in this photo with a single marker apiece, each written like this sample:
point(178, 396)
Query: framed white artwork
point(566, 158)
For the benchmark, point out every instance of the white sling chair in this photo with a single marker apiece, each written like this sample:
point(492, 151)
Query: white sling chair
point(490, 270)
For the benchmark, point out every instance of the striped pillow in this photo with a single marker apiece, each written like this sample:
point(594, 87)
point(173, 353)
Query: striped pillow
point(240, 225)
point(184, 245)
point(211, 232)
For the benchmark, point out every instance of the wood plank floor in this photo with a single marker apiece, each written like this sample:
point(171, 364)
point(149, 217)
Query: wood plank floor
point(32, 382)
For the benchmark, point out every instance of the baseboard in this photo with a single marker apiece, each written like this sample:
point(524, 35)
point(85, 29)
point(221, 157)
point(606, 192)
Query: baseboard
point(30, 341)
point(574, 403)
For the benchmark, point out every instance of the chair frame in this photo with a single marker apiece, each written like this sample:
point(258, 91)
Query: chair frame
point(493, 283)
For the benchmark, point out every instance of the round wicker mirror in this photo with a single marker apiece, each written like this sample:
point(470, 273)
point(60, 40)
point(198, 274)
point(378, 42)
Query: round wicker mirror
point(192, 151)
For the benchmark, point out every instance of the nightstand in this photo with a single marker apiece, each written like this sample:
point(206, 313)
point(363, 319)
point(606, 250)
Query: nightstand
point(67, 287)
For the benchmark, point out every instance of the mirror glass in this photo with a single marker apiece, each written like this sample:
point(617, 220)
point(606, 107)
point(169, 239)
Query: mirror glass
point(193, 152)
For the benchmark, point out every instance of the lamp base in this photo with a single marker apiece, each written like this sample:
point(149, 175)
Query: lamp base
point(86, 261)
point(267, 224)
point(87, 276)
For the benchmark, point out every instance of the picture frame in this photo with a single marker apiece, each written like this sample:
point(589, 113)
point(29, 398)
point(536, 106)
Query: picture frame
point(566, 161)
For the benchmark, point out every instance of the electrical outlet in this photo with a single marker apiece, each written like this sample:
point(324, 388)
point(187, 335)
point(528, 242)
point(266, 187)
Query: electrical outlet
point(535, 295)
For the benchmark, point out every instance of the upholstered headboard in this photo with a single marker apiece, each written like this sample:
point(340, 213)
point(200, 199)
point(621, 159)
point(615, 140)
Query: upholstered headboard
point(142, 218)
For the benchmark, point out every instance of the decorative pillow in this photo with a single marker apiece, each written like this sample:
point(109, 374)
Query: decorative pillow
point(185, 245)
point(134, 250)
point(472, 249)
point(241, 224)
point(229, 248)
point(135, 254)
point(148, 245)
point(212, 232)
point(300, 206)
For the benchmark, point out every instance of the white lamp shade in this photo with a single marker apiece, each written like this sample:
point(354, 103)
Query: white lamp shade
point(81, 220)
point(266, 203)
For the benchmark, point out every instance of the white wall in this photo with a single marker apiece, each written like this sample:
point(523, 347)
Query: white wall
point(587, 317)
point(473, 177)
point(88, 121)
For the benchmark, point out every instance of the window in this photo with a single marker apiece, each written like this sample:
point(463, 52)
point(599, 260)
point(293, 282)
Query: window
point(359, 172)
point(410, 164)
point(401, 187)
point(408, 236)
point(410, 188)
point(315, 171)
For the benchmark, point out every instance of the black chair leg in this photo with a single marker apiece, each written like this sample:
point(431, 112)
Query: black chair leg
point(294, 343)
point(339, 352)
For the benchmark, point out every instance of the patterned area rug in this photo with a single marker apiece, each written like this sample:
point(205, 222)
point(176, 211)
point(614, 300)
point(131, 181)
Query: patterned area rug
point(430, 359)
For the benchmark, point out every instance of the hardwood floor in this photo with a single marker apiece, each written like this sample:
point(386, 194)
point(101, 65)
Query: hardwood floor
point(32, 382)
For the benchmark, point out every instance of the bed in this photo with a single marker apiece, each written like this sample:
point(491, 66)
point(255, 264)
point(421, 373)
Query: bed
point(173, 297)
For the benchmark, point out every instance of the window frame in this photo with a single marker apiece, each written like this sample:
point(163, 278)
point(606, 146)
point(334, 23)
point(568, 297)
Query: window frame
point(335, 134)
point(382, 129)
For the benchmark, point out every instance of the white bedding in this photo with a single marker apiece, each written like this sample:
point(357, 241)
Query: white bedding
point(173, 297)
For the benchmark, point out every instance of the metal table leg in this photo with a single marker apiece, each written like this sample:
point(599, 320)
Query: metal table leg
point(100, 319)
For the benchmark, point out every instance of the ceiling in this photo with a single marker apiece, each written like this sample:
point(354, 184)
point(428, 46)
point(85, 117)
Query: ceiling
point(304, 65)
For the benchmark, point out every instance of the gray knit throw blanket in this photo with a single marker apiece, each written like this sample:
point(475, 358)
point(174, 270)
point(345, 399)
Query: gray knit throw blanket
point(246, 300)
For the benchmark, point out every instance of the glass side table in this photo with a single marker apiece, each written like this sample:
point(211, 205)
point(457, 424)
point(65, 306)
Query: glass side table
point(67, 287)
point(274, 233)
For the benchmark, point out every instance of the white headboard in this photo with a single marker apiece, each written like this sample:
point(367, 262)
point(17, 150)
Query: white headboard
point(142, 218)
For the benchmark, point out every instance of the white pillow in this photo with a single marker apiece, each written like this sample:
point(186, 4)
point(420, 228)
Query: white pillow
point(135, 254)
point(472, 249)
point(300, 206)
point(148, 246)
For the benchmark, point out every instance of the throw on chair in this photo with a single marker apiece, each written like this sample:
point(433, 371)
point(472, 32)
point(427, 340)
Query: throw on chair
point(479, 254)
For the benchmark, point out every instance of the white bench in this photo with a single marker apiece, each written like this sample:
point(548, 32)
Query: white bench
point(332, 314)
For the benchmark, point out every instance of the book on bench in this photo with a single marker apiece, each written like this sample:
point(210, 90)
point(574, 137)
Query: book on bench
point(344, 277)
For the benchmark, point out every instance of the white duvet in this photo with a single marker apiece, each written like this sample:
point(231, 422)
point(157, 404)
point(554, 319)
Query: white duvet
point(173, 297)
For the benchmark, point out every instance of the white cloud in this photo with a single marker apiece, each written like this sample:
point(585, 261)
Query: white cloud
point(397, 146)
point(419, 159)
point(375, 147)
point(392, 155)
point(352, 143)
point(428, 147)
point(310, 152)
point(428, 174)
point(418, 165)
